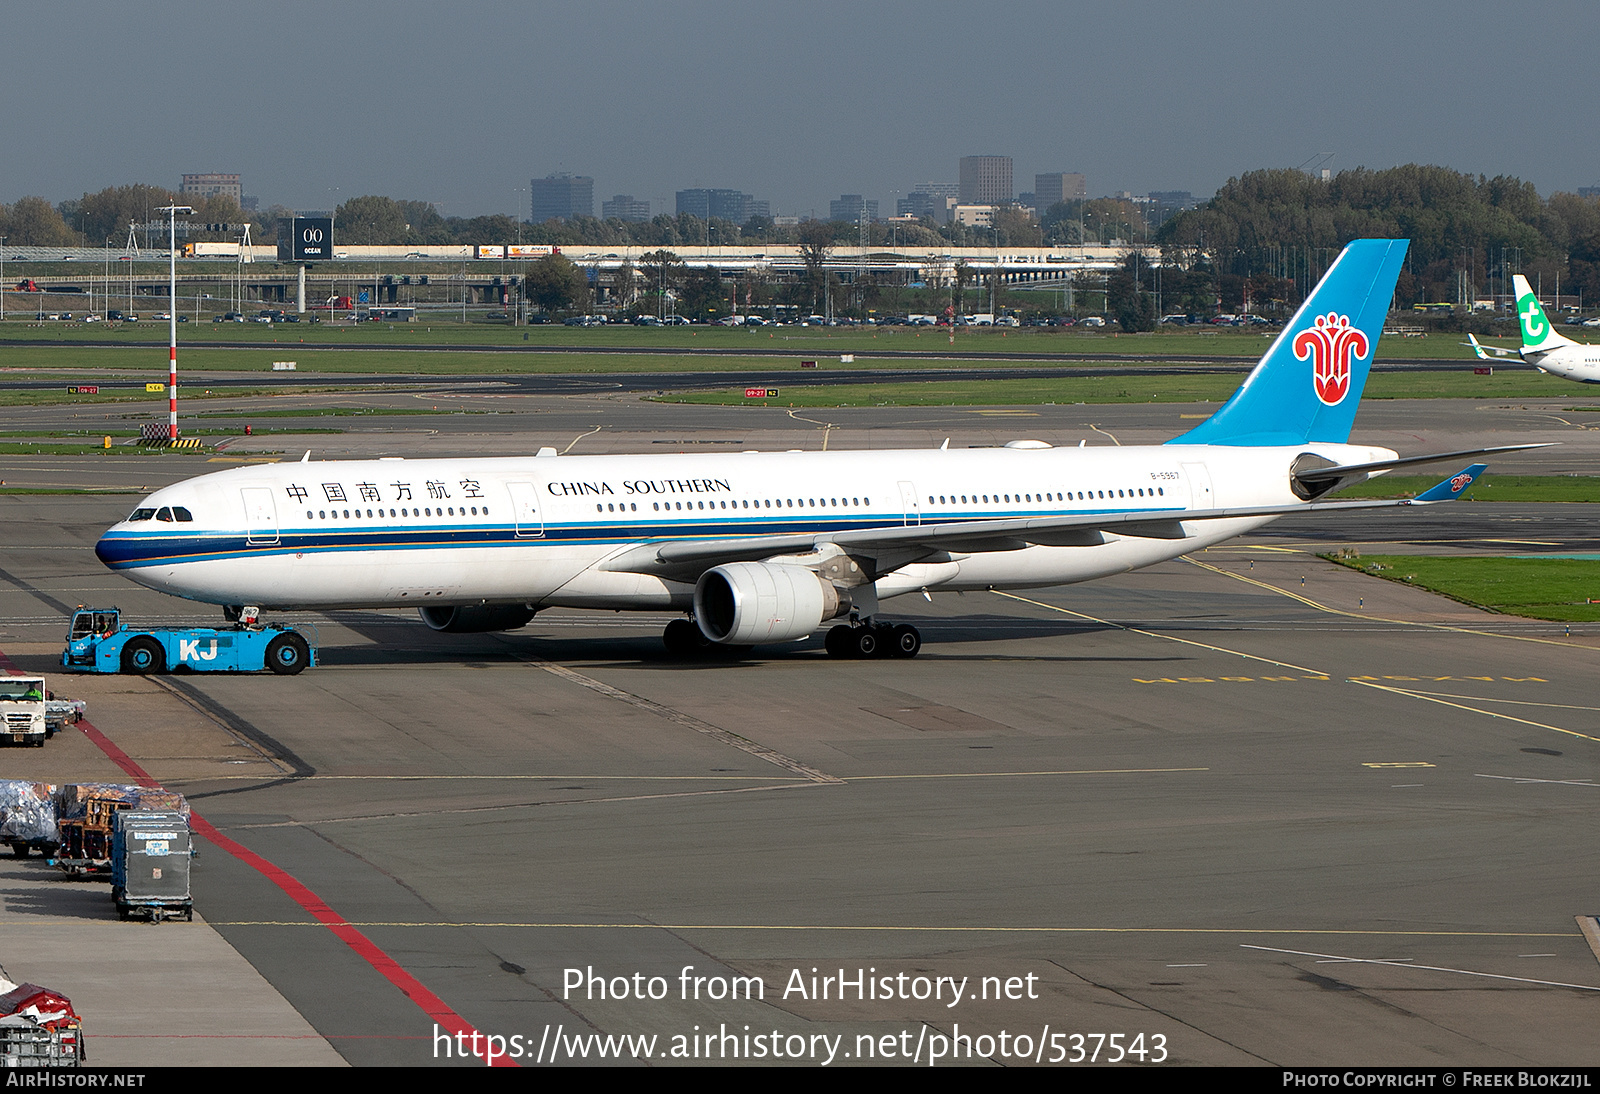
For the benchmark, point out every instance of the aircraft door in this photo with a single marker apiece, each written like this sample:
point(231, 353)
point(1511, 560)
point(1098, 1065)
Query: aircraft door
point(910, 503)
point(260, 515)
point(525, 509)
point(1201, 495)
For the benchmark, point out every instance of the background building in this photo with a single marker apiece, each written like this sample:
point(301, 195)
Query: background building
point(723, 204)
point(850, 207)
point(986, 180)
point(623, 207)
point(920, 203)
point(1054, 188)
point(560, 197)
point(205, 185)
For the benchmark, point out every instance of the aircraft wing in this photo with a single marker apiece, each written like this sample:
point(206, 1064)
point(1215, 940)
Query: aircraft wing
point(898, 545)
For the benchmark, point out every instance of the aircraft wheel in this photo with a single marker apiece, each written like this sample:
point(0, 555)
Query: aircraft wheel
point(683, 639)
point(840, 641)
point(287, 654)
point(867, 642)
point(905, 641)
point(143, 656)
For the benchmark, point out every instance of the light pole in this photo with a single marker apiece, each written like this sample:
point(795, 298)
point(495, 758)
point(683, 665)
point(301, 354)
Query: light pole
point(172, 212)
point(522, 261)
point(3, 280)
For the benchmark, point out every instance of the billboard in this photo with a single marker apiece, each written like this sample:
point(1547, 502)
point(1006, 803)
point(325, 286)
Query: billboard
point(305, 239)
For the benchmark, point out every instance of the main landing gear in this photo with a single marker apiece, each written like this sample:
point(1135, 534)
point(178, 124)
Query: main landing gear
point(873, 640)
point(684, 640)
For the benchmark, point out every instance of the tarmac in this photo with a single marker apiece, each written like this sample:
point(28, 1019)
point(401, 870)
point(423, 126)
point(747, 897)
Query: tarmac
point(1245, 808)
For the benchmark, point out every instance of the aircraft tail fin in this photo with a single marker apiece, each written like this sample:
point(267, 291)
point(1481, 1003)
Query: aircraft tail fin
point(1538, 333)
point(1308, 384)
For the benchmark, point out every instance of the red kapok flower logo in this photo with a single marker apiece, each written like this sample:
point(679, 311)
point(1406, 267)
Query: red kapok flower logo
point(1333, 346)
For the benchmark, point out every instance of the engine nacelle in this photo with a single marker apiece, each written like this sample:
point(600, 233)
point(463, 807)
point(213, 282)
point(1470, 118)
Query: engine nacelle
point(476, 618)
point(744, 603)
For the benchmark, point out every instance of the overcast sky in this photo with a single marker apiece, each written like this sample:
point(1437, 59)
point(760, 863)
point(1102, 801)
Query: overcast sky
point(796, 103)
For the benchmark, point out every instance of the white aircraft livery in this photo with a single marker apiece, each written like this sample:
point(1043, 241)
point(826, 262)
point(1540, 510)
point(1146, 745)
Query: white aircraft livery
point(767, 547)
point(1542, 347)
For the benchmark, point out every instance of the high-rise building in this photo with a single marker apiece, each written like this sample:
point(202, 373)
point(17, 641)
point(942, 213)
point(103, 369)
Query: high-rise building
point(560, 197)
point(721, 204)
point(206, 185)
point(920, 203)
point(1052, 189)
point(986, 180)
point(1162, 204)
point(851, 207)
point(623, 207)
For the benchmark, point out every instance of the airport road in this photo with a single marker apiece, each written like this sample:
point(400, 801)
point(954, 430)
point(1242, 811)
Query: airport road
point(1339, 822)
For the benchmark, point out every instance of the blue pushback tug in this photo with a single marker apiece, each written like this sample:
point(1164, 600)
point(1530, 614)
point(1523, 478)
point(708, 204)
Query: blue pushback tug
point(99, 642)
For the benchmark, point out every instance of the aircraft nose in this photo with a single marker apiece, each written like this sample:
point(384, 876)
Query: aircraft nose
point(110, 550)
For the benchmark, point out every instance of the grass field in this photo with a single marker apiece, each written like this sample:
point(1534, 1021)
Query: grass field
point(802, 341)
point(1121, 389)
point(1490, 487)
point(1558, 589)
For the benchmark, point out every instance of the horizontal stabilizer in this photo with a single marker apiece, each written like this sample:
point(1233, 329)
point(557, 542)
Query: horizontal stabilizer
point(1490, 353)
point(1339, 471)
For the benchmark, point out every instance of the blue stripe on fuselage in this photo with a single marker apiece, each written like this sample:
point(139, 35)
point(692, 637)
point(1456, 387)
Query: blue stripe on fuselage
point(132, 550)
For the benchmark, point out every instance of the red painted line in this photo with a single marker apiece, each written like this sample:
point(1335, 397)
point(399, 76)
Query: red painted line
point(434, 1007)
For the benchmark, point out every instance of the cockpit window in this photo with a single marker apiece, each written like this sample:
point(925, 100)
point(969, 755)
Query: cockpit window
point(182, 514)
point(164, 513)
point(141, 514)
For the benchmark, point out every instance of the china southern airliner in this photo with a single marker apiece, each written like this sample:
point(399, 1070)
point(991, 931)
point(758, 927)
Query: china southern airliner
point(769, 546)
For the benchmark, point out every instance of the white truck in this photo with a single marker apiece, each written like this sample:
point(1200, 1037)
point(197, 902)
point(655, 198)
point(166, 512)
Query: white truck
point(22, 710)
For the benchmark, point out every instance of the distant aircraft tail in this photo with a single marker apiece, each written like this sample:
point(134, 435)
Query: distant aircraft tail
point(1538, 333)
point(1308, 384)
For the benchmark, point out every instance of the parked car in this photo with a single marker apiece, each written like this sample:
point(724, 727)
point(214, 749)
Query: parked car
point(1091, 321)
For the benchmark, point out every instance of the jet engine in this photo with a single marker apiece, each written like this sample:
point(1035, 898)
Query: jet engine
point(476, 618)
point(743, 603)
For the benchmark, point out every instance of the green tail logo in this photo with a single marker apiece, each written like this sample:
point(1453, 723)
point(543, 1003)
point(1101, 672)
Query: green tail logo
point(1535, 327)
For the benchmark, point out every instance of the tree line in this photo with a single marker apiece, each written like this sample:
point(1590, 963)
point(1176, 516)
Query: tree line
point(1280, 229)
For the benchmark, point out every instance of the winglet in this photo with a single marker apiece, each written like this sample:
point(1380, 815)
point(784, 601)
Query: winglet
point(1452, 488)
point(1477, 349)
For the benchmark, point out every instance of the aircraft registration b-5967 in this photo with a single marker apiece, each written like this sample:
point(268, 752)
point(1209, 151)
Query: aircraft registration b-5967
point(768, 547)
point(1542, 346)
